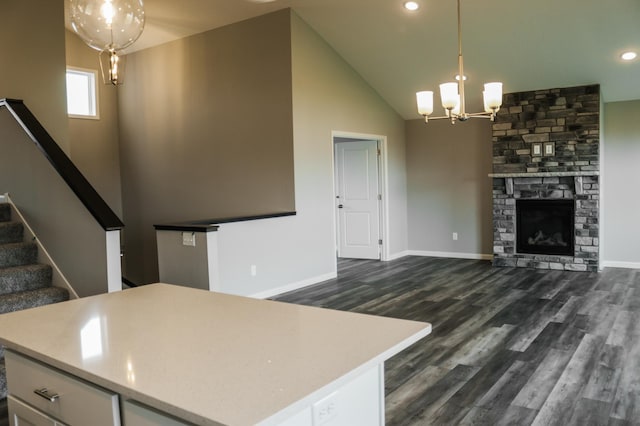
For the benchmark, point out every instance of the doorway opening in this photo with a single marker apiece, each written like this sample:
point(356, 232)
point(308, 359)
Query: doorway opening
point(361, 208)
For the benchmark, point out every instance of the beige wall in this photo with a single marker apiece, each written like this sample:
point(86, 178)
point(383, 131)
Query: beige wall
point(330, 96)
point(93, 144)
point(621, 199)
point(205, 131)
point(448, 187)
point(33, 61)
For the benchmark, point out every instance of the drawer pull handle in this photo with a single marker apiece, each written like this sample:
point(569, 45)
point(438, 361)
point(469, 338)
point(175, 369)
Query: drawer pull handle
point(47, 394)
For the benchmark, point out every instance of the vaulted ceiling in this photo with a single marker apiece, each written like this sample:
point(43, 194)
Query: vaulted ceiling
point(527, 45)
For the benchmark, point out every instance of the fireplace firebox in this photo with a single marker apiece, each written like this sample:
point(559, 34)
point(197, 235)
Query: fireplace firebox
point(545, 227)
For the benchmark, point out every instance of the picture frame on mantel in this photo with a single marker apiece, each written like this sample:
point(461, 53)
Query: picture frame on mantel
point(536, 149)
point(549, 149)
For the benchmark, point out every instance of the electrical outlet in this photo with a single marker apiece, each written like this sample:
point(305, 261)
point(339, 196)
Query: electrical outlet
point(325, 410)
point(455, 236)
point(254, 270)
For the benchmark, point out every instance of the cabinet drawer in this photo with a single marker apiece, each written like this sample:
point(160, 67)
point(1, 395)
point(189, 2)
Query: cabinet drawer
point(21, 414)
point(77, 402)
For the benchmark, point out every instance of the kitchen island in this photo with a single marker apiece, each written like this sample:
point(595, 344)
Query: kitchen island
point(193, 356)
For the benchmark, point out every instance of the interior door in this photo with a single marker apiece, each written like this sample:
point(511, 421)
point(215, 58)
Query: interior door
point(357, 202)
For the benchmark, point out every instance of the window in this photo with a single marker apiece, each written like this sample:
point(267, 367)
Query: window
point(82, 93)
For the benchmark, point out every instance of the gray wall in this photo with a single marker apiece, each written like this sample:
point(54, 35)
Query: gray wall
point(73, 238)
point(448, 187)
point(93, 144)
point(33, 61)
point(205, 131)
point(622, 177)
point(328, 95)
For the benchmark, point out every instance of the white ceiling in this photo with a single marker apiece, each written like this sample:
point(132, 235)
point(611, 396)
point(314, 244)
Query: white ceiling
point(525, 44)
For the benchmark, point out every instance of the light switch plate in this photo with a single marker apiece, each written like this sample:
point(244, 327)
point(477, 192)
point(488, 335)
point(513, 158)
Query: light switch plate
point(189, 239)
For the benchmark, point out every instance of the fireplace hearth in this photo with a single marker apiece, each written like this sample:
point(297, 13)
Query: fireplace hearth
point(545, 227)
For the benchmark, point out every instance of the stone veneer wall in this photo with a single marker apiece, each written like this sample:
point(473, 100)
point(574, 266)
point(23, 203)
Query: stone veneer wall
point(570, 119)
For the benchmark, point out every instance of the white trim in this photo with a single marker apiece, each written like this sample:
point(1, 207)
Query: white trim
point(617, 264)
point(114, 271)
point(399, 255)
point(473, 256)
point(383, 185)
point(294, 286)
point(58, 277)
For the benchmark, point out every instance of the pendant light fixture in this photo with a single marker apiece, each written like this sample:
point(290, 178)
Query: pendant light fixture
point(452, 94)
point(109, 26)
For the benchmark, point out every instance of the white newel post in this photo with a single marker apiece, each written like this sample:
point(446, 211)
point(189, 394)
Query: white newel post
point(114, 268)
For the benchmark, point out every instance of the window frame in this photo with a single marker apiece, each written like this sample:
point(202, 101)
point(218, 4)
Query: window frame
point(96, 92)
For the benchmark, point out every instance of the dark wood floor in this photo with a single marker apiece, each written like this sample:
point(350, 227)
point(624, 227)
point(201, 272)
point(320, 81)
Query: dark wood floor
point(509, 346)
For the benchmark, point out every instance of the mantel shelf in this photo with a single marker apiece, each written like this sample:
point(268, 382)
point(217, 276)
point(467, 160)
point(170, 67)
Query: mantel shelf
point(542, 174)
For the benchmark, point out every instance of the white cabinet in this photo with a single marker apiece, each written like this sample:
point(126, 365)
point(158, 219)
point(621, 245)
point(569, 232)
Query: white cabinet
point(59, 395)
point(135, 414)
point(23, 415)
point(40, 395)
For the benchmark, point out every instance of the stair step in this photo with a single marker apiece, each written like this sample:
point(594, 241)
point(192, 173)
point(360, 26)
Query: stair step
point(11, 232)
point(5, 212)
point(24, 278)
point(18, 254)
point(3, 380)
point(31, 299)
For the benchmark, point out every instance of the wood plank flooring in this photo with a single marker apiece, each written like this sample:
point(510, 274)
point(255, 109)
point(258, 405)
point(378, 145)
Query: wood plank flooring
point(509, 346)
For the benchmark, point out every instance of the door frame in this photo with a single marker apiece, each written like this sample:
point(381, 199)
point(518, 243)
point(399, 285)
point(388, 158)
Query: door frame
point(382, 187)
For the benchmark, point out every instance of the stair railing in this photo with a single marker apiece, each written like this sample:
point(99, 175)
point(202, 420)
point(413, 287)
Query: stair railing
point(65, 213)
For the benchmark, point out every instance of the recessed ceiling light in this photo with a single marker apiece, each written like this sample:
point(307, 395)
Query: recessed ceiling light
point(411, 5)
point(457, 77)
point(629, 56)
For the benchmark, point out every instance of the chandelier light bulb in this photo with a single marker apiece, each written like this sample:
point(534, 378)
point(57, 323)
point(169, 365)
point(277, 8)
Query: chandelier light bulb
point(493, 95)
point(425, 102)
point(629, 56)
point(108, 12)
point(449, 95)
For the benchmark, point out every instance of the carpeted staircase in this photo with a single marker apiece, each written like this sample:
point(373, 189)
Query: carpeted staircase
point(23, 282)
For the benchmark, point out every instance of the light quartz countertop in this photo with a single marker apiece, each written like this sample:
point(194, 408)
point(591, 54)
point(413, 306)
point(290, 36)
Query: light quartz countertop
point(208, 358)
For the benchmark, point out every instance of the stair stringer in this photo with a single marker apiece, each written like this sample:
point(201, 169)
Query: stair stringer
point(58, 279)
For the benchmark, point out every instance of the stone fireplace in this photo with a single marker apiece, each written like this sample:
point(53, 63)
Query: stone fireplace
point(546, 189)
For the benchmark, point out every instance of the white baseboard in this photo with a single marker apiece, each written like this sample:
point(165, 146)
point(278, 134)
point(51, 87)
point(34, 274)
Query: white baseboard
point(396, 256)
point(294, 286)
point(452, 255)
point(615, 264)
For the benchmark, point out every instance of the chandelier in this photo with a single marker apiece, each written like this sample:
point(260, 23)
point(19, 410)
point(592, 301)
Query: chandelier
point(452, 94)
point(109, 26)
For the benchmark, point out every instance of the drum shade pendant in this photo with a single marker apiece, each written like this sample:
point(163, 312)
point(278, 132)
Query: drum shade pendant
point(452, 94)
point(109, 26)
